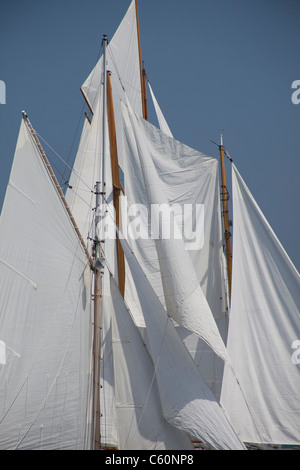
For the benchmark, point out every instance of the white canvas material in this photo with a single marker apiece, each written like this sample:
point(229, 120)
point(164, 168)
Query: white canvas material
point(45, 320)
point(264, 323)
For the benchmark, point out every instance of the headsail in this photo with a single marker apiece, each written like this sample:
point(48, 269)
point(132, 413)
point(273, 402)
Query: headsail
point(264, 323)
point(45, 325)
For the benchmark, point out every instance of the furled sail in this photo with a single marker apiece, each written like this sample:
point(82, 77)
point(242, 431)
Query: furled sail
point(185, 301)
point(186, 400)
point(264, 323)
point(45, 322)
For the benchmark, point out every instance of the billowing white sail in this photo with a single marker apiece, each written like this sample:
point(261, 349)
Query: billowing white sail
point(264, 323)
point(140, 421)
point(186, 400)
point(45, 321)
point(185, 301)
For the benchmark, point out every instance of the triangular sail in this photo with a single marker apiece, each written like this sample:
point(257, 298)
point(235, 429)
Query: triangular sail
point(264, 323)
point(45, 326)
point(123, 61)
point(160, 117)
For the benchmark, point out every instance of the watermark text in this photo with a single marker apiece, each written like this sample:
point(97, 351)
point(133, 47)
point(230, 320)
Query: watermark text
point(296, 94)
point(2, 92)
point(156, 221)
point(296, 354)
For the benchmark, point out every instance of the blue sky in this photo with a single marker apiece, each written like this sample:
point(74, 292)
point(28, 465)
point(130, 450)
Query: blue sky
point(213, 64)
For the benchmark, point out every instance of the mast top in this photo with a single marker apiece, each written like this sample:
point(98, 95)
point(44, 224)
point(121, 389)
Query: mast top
point(221, 138)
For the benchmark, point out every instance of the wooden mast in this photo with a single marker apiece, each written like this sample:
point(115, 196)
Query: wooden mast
point(142, 69)
point(117, 187)
point(97, 297)
point(99, 269)
point(227, 233)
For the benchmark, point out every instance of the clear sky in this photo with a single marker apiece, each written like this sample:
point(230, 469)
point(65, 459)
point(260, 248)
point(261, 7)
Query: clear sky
point(213, 64)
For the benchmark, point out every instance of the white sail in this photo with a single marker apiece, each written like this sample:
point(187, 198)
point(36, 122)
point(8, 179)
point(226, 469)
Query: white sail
point(77, 187)
point(186, 400)
point(185, 301)
point(123, 62)
point(45, 321)
point(140, 422)
point(108, 422)
point(190, 182)
point(160, 117)
point(86, 172)
point(264, 323)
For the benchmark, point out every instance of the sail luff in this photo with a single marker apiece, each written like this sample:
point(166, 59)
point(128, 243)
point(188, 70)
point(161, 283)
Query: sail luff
point(56, 183)
point(142, 68)
point(225, 213)
point(115, 180)
point(100, 201)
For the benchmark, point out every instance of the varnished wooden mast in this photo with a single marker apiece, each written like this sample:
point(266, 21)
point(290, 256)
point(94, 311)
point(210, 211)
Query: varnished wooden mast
point(142, 69)
point(99, 269)
point(227, 233)
point(117, 187)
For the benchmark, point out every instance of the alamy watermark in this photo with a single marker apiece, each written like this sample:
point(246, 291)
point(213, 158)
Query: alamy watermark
point(2, 353)
point(296, 354)
point(158, 221)
point(2, 92)
point(296, 94)
point(295, 357)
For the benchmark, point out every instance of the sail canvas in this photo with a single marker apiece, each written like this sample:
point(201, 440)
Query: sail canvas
point(45, 320)
point(264, 322)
